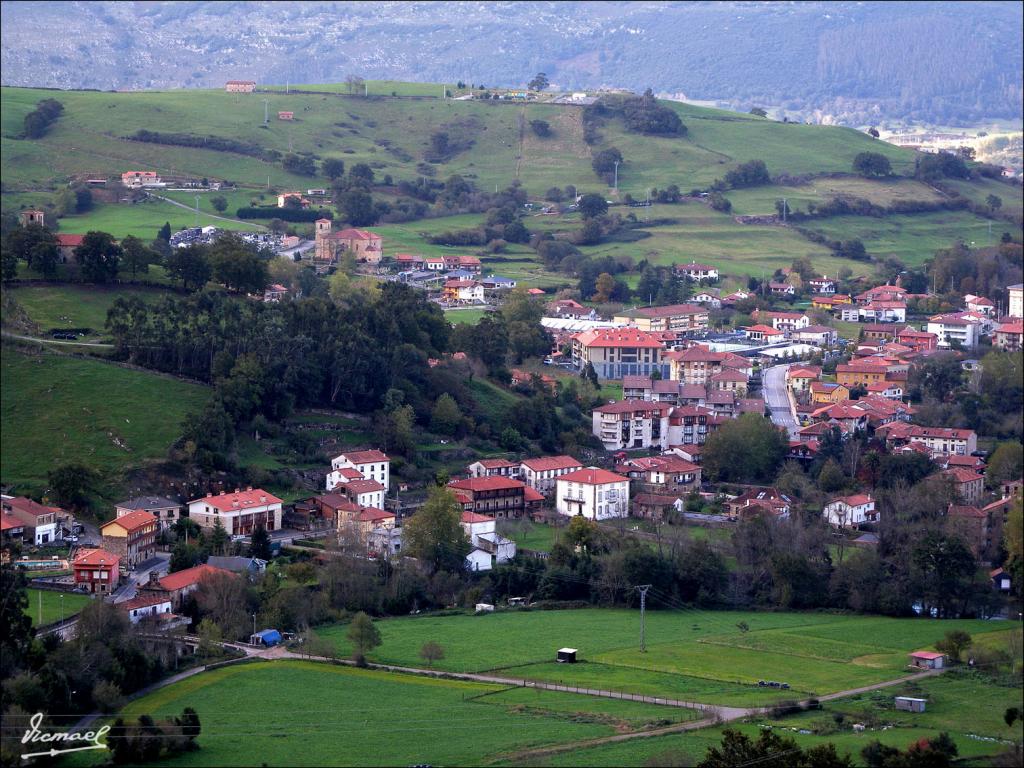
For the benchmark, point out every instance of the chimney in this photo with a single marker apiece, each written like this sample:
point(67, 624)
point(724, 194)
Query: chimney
point(153, 578)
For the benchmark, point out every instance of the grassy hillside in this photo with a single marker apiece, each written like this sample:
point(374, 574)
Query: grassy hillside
point(392, 134)
point(57, 409)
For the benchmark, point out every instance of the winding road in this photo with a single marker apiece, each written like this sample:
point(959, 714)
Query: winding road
point(777, 399)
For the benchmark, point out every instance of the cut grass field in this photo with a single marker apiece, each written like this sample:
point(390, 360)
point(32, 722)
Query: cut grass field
point(362, 717)
point(913, 238)
point(755, 201)
point(464, 316)
point(144, 219)
point(75, 306)
point(77, 408)
point(691, 654)
point(51, 605)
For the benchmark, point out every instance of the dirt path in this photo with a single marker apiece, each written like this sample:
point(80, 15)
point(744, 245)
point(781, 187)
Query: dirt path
point(9, 335)
point(208, 215)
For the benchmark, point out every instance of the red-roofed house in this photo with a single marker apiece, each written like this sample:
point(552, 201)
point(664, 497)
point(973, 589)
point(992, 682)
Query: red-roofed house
point(667, 473)
point(632, 424)
point(762, 333)
point(131, 537)
point(675, 317)
point(782, 321)
point(618, 352)
point(800, 377)
point(1008, 335)
point(493, 468)
point(927, 660)
point(66, 245)
point(496, 496)
point(540, 473)
point(759, 500)
point(489, 548)
point(373, 465)
point(697, 272)
point(970, 486)
point(919, 341)
point(241, 512)
point(179, 585)
point(851, 511)
point(596, 494)
point(96, 570)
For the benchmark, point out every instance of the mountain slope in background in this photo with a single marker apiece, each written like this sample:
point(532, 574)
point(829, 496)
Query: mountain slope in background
point(854, 63)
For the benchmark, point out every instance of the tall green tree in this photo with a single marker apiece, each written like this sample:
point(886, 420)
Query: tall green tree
point(872, 164)
point(259, 545)
point(363, 635)
point(99, 257)
point(137, 257)
point(749, 449)
point(446, 418)
point(435, 535)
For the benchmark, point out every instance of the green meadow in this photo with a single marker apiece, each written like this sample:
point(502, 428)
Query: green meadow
point(84, 410)
point(44, 607)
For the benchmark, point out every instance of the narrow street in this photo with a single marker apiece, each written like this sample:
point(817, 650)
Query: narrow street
point(777, 399)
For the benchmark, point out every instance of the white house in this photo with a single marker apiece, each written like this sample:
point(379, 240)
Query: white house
point(486, 541)
point(632, 424)
point(822, 286)
point(695, 271)
point(145, 606)
point(979, 304)
point(851, 511)
point(953, 328)
point(240, 512)
point(541, 473)
point(709, 298)
point(493, 468)
point(596, 494)
point(879, 311)
point(372, 465)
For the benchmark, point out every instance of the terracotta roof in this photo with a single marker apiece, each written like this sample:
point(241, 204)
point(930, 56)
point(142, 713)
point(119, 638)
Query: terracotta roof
point(963, 510)
point(547, 463)
point(729, 374)
point(175, 581)
point(634, 406)
point(365, 457)
point(70, 241)
point(766, 330)
point(804, 372)
point(496, 483)
point(132, 521)
point(337, 501)
point(593, 476)
point(230, 502)
point(636, 382)
point(532, 494)
point(856, 500)
point(472, 517)
point(9, 522)
point(496, 463)
point(654, 499)
point(962, 475)
point(93, 557)
point(144, 601)
point(25, 508)
point(618, 337)
point(372, 514)
point(349, 473)
point(363, 486)
point(927, 655)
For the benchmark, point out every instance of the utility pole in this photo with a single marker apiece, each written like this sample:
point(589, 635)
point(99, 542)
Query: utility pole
point(616, 177)
point(197, 210)
point(785, 207)
point(266, 111)
point(642, 589)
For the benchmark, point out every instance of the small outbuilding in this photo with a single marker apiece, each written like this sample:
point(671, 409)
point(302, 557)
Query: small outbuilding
point(266, 637)
point(927, 660)
point(910, 704)
point(484, 608)
point(566, 656)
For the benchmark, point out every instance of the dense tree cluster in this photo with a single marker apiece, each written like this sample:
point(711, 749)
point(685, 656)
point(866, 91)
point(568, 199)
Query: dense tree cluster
point(39, 120)
point(749, 174)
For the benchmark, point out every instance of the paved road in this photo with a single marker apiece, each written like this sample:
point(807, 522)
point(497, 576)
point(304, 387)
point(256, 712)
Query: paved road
point(777, 399)
point(159, 564)
point(9, 335)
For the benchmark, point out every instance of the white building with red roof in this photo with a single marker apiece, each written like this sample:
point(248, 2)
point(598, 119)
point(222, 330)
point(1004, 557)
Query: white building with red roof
point(850, 511)
point(1009, 335)
point(241, 512)
point(372, 465)
point(697, 272)
point(540, 473)
point(632, 424)
point(131, 537)
point(180, 584)
point(489, 548)
point(618, 352)
point(493, 468)
point(979, 304)
point(596, 494)
point(493, 496)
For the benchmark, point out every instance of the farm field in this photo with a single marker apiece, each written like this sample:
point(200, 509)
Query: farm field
point(143, 219)
point(467, 316)
point(912, 238)
point(761, 200)
point(702, 655)
point(78, 408)
point(51, 605)
point(442, 722)
point(978, 190)
point(539, 537)
point(75, 306)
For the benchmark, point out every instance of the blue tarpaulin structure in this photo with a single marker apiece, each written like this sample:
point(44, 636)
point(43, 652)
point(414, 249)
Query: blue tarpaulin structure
point(268, 637)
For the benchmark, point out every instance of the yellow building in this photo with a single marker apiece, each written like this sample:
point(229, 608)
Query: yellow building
point(826, 392)
point(859, 375)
